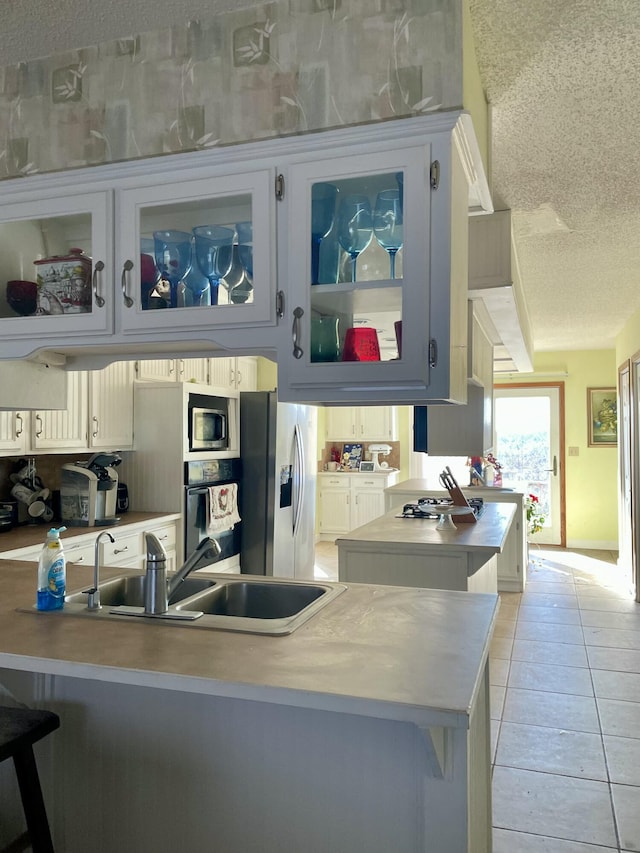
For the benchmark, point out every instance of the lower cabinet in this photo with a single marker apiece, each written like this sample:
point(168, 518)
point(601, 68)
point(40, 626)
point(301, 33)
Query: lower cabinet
point(127, 551)
point(347, 501)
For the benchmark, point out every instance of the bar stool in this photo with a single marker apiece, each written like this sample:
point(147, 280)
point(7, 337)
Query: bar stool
point(20, 728)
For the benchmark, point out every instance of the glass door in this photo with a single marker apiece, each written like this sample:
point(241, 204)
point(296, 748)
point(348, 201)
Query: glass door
point(198, 253)
point(56, 267)
point(356, 234)
point(527, 428)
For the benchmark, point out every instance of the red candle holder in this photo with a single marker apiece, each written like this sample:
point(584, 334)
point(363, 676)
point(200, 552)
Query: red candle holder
point(361, 344)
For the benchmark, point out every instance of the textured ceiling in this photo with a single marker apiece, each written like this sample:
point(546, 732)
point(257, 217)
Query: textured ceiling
point(562, 78)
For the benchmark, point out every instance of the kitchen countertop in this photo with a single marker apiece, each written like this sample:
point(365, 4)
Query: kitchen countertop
point(31, 535)
point(487, 534)
point(385, 652)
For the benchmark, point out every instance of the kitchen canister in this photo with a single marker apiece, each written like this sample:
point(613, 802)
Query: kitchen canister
point(64, 283)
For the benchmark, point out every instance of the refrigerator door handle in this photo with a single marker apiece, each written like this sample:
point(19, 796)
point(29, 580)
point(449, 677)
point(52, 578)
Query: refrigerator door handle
point(298, 476)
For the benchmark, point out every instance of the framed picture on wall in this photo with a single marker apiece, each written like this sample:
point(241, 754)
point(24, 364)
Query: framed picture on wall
point(602, 417)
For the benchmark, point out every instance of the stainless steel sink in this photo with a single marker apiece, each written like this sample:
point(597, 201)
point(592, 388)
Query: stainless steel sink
point(248, 604)
point(129, 591)
point(256, 600)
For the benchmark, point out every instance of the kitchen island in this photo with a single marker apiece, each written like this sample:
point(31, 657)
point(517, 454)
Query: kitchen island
point(512, 561)
point(348, 734)
point(413, 552)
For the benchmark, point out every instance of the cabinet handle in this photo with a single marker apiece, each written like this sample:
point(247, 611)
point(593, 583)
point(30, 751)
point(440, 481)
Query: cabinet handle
point(21, 429)
point(161, 538)
point(238, 377)
point(99, 300)
point(78, 560)
point(96, 426)
point(172, 367)
point(298, 352)
point(128, 301)
point(280, 304)
point(39, 431)
point(120, 550)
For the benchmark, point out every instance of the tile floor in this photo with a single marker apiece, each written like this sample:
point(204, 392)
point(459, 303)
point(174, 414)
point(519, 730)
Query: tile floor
point(565, 695)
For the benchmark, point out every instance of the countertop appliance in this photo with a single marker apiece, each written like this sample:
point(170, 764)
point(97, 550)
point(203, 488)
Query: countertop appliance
point(88, 491)
point(278, 451)
point(199, 478)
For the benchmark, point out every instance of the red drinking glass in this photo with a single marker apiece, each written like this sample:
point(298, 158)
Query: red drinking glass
point(361, 344)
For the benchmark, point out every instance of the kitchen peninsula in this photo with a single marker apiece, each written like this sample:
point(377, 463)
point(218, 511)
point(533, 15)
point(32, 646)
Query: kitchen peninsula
point(348, 734)
point(414, 552)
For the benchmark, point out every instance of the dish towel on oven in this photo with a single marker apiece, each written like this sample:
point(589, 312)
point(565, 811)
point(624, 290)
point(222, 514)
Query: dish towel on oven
point(222, 507)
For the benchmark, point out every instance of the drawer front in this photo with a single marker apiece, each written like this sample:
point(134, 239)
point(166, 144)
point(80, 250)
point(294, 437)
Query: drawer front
point(339, 480)
point(83, 554)
point(166, 536)
point(364, 482)
point(123, 550)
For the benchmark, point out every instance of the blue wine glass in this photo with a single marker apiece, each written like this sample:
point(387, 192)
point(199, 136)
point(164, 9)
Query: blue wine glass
point(387, 224)
point(213, 251)
point(244, 230)
point(323, 207)
point(355, 227)
point(236, 280)
point(173, 259)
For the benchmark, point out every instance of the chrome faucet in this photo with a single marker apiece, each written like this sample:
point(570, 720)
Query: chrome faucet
point(158, 589)
point(93, 602)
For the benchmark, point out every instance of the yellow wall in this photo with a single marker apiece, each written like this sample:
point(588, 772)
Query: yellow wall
point(591, 477)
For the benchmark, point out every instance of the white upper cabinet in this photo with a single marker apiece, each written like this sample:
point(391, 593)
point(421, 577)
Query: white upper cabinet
point(368, 423)
point(359, 235)
point(111, 407)
point(66, 428)
point(377, 265)
point(201, 248)
point(58, 299)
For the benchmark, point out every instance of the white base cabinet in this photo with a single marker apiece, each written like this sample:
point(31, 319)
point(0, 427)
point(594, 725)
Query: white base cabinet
point(128, 551)
point(347, 501)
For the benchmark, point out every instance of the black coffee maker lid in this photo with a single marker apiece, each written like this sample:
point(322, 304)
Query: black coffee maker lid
point(103, 460)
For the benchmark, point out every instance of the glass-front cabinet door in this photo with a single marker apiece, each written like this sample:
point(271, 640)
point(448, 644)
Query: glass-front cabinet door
point(56, 261)
point(359, 267)
point(197, 254)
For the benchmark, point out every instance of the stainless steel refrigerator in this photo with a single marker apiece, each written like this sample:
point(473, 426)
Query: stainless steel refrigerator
point(278, 449)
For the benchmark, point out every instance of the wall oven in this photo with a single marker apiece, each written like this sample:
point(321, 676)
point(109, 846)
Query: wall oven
point(207, 423)
point(200, 479)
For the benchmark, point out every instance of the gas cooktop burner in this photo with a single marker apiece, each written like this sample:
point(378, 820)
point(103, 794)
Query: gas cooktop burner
point(428, 507)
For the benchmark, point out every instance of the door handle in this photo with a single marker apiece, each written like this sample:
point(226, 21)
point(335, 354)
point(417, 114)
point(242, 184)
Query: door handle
point(555, 467)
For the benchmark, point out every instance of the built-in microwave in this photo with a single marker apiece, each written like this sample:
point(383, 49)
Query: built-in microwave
point(208, 422)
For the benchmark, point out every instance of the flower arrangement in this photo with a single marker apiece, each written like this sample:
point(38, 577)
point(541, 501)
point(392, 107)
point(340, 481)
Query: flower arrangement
point(535, 518)
point(497, 469)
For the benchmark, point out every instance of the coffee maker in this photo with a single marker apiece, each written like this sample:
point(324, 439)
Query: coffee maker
point(88, 491)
